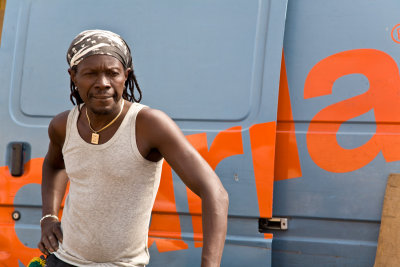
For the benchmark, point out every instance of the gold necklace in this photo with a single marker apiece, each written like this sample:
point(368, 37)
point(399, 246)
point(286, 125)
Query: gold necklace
point(95, 134)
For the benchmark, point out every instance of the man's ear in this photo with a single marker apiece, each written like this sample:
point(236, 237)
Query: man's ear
point(127, 71)
point(72, 74)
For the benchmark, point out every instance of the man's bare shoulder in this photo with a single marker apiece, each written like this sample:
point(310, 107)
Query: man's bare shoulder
point(151, 115)
point(154, 119)
point(57, 127)
point(156, 125)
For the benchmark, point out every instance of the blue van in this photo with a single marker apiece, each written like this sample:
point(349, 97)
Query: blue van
point(293, 103)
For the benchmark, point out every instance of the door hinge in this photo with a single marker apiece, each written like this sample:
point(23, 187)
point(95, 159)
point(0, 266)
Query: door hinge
point(273, 223)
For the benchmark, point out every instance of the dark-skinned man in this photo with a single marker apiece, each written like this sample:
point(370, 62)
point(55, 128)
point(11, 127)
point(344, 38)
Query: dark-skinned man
point(111, 149)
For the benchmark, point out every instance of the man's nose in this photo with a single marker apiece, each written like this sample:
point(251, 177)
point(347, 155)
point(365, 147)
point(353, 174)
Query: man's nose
point(103, 81)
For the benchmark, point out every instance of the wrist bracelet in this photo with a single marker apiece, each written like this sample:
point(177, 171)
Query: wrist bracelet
point(48, 216)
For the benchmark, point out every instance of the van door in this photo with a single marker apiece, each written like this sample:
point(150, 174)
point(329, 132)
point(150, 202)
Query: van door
point(213, 67)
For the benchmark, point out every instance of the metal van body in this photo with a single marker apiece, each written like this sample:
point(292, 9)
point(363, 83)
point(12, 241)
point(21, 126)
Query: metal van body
point(295, 104)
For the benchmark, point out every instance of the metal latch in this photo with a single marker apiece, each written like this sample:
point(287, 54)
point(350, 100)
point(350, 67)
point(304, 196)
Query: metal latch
point(18, 155)
point(272, 224)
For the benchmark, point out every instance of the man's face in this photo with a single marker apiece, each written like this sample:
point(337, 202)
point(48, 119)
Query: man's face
point(100, 80)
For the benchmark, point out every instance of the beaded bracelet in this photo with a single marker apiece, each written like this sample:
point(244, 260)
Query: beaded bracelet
point(48, 216)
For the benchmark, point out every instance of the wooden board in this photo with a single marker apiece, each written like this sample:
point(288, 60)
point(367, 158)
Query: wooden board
point(2, 9)
point(388, 252)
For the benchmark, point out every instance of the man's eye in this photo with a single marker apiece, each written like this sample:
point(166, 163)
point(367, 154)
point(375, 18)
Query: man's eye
point(89, 73)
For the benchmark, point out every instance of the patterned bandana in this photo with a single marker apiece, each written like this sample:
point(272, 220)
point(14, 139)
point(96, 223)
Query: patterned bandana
point(98, 42)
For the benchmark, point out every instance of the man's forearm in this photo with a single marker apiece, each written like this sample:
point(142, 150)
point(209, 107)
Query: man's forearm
point(54, 184)
point(215, 212)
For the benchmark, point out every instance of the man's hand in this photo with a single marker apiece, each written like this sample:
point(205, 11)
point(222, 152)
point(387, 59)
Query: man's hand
point(51, 235)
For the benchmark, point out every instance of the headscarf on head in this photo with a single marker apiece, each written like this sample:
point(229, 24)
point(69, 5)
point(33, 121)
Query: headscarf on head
point(98, 42)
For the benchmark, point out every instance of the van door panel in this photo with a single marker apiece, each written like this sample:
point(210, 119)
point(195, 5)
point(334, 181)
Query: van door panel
point(212, 66)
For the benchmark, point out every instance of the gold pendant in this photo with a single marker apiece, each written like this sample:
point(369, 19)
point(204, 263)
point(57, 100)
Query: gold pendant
point(95, 138)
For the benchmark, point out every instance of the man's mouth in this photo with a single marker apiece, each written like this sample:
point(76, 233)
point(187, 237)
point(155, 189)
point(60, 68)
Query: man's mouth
point(102, 96)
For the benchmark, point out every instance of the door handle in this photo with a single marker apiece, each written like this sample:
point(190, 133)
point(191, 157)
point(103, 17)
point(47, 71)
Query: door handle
point(18, 155)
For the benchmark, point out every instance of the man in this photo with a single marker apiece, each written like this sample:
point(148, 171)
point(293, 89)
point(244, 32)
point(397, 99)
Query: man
point(111, 151)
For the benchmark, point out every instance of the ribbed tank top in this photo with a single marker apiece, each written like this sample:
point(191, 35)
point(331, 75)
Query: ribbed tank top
point(112, 190)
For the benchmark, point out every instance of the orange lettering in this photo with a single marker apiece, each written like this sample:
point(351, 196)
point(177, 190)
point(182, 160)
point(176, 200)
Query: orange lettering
point(383, 97)
point(11, 248)
point(287, 162)
point(227, 143)
point(262, 139)
point(165, 228)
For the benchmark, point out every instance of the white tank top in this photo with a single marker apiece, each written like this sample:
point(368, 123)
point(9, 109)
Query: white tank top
point(112, 190)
